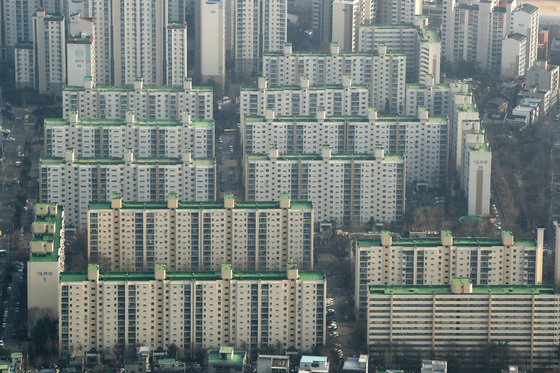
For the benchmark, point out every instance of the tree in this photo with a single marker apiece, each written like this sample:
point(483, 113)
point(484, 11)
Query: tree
point(172, 351)
point(339, 245)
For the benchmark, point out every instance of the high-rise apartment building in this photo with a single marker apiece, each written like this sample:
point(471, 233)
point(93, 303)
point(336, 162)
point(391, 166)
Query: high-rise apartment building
point(46, 261)
point(80, 49)
point(321, 18)
point(436, 261)
point(75, 182)
point(421, 139)
point(460, 316)
point(197, 310)
point(258, 26)
point(383, 72)
point(147, 102)
point(525, 21)
point(514, 50)
point(49, 52)
point(149, 138)
point(347, 17)
point(24, 64)
point(344, 188)
point(421, 46)
point(200, 236)
point(437, 98)
point(344, 99)
point(211, 40)
point(134, 38)
point(17, 24)
point(395, 12)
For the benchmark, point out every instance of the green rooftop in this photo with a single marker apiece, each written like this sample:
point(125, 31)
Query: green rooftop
point(435, 242)
point(79, 37)
point(318, 157)
point(103, 88)
point(193, 276)
point(476, 289)
point(460, 281)
point(57, 219)
point(115, 161)
point(215, 357)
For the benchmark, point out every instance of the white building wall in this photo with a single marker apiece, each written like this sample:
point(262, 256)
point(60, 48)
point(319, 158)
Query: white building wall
point(210, 40)
point(176, 54)
point(513, 62)
point(24, 65)
point(345, 20)
point(50, 52)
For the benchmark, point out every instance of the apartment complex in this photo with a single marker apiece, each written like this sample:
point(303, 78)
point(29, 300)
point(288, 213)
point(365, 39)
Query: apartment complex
point(422, 140)
point(383, 72)
point(147, 102)
point(347, 16)
point(197, 310)
point(74, 182)
point(344, 188)
point(395, 12)
point(200, 236)
point(344, 99)
point(210, 27)
point(46, 261)
point(257, 26)
point(148, 138)
point(420, 44)
point(464, 318)
point(49, 52)
point(176, 54)
point(436, 261)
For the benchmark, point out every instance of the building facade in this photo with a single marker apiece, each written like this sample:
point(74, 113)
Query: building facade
point(147, 102)
point(198, 310)
point(49, 52)
point(149, 138)
point(344, 188)
point(80, 49)
point(436, 261)
point(46, 261)
point(466, 318)
point(210, 40)
point(304, 99)
point(476, 170)
point(24, 64)
point(176, 70)
point(422, 140)
point(396, 12)
point(383, 72)
point(75, 182)
point(200, 236)
point(514, 48)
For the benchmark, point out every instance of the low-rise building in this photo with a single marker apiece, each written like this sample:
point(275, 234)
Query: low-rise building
point(465, 317)
point(227, 360)
point(197, 310)
point(273, 364)
point(356, 364)
point(433, 366)
point(75, 182)
point(314, 364)
point(46, 262)
point(200, 236)
point(148, 138)
point(436, 261)
point(344, 188)
point(146, 102)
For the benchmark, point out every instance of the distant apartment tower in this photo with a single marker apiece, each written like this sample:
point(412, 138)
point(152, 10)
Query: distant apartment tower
point(200, 236)
point(80, 49)
point(347, 17)
point(436, 261)
point(46, 261)
point(16, 24)
point(24, 64)
point(75, 182)
point(147, 138)
point(383, 72)
point(259, 26)
point(200, 310)
point(147, 102)
point(49, 51)
point(420, 44)
point(344, 188)
point(321, 18)
point(176, 53)
point(422, 140)
point(210, 40)
point(344, 99)
point(525, 20)
point(395, 12)
point(476, 170)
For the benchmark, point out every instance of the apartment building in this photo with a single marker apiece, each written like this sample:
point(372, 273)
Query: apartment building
point(148, 138)
point(344, 188)
point(545, 77)
point(147, 102)
point(176, 60)
point(46, 261)
point(476, 170)
point(464, 115)
point(420, 44)
point(80, 49)
point(74, 182)
point(460, 317)
point(258, 26)
point(514, 49)
point(344, 99)
point(321, 20)
point(49, 52)
point(383, 72)
point(423, 140)
point(347, 16)
point(197, 310)
point(436, 261)
point(525, 21)
point(24, 64)
point(16, 24)
point(437, 98)
point(395, 12)
point(200, 236)
point(210, 27)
